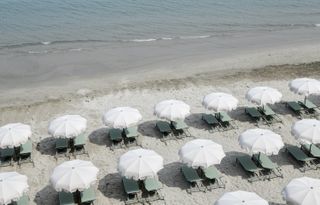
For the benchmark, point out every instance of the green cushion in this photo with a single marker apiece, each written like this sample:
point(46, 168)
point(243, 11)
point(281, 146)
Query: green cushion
point(61, 143)
point(265, 161)
point(210, 119)
point(24, 200)
point(115, 134)
point(190, 174)
point(223, 116)
point(130, 186)
point(26, 148)
point(66, 198)
point(298, 154)
point(80, 140)
point(7, 152)
point(253, 112)
point(131, 132)
point(295, 106)
point(152, 184)
point(179, 124)
point(312, 149)
point(247, 163)
point(211, 172)
point(308, 104)
point(88, 195)
point(163, 126)
point(267, 110)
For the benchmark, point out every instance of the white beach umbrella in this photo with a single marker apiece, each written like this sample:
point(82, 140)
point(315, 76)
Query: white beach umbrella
point(140, 164)
point(74, 175)
point(263, 95)
point(171, 110)
point(14, 134)
point(305, 86)
point(220, 102)
point(261, 140)
point(67, 126)
point(240, 198)
point(307, 131)
point(201, 153)
point(122, 117)
point(12, 186)
point(302, 191)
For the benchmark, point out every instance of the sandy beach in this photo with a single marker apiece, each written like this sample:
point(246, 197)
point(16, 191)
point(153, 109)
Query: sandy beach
point(91, 102)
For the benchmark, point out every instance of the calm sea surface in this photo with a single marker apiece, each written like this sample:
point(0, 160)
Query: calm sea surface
point(32, 22)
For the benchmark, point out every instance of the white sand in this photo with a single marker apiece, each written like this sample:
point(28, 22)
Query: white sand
point(91, 105)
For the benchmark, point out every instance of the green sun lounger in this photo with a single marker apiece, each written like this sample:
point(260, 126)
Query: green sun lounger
point(251, 169)
point(310, 107)
point(152, 187)
point(62, 145)
point(273, 170)
point(164, 128)
point(295, 107)
point(211, 121)
point(24, 200)
point(115, 136)
point(269, 115)
point(311, 149)
point(193, 178)
point(225, 120)
point(132, 190)
point(213, 178)
point(131, 134)
point(79, 145)
point(66, 198)
point(25, 153)
point(254, 114)
point(87, 196)
point(180, 128)
point(304, 161)
point(6, 157)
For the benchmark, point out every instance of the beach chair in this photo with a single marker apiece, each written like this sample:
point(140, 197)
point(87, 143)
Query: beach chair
point(87, 196)
point(165, 130)
point(304, 161)
point(132, 190)
point(192, 177)
point(115, 136)
point(271, 169)
point(250, 168)
point(269, 115)
point(24, 200)
point(79, 145)
point(131, 134)
point(254, 114)
point(62, 145)
point(152, 187)
point(295, 107)
point(227, 123)
point(311, 149)
point(211, 121)
point(212, 178)
point(6, 157)
point(309, 107)
point(180, 128)
point(66, 198)
point(25, 153)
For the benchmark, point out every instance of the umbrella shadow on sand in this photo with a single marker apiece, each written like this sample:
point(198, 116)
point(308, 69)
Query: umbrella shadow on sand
point(47, 146)
point(99, 137)
point(171, 176)
point(148, 128)
point(111, 186)
point(46, 196)
point(195, 120)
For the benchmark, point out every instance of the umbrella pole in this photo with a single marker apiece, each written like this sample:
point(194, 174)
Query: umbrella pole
point(305, 99)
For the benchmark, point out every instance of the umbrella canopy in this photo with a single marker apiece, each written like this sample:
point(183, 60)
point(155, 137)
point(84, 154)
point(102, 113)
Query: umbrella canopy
point(302, 191)
point(261, 140)
point(67, 126)
point(14, 134)
point(307, 131)
point(220, 102)
point(172, 110)
point(122, 117)
point(74, 175)
point(240, 198)
point(12, 186)
point(201, 153)
point(140, 164)
point(305, 86)
point(263, 95)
